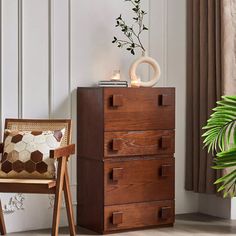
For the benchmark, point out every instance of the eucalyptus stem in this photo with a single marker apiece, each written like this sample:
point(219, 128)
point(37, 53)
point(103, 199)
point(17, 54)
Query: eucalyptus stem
point(133, 36)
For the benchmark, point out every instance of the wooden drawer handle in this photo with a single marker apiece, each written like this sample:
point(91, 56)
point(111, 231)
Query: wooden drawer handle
point(117, 144)
point(166, 99)
point(166, 170)
point(117, 218)
point(117, 174)
point(117, 100)
point(166, 142)
point(166, 213)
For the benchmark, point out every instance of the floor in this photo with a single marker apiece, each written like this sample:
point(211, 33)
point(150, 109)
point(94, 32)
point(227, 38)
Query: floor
point(188, 224)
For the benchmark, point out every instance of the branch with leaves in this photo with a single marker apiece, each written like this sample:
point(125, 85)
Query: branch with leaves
point(132, 33)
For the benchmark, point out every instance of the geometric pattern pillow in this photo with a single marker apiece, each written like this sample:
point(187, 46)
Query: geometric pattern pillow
point(26, 154)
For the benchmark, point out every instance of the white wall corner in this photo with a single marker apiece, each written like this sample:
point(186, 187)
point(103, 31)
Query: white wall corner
point(233, 209)
point(216, 206)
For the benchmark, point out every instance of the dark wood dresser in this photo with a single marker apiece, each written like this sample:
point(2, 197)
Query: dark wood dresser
point(126, 166)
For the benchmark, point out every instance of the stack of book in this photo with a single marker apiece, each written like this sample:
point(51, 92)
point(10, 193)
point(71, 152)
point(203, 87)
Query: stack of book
point(113, 83)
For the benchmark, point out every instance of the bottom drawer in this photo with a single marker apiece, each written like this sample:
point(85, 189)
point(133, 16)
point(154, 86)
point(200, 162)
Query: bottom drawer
point(121, 217)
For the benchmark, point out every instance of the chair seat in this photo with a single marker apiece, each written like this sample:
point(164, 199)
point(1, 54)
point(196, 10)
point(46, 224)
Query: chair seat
point(27, 185)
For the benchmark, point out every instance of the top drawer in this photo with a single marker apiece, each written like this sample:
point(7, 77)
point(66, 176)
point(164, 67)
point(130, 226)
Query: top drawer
point(139, 108)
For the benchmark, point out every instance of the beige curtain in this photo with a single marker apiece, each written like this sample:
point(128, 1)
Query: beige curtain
point(206, 70)
point(211, 63)
point(229, 46)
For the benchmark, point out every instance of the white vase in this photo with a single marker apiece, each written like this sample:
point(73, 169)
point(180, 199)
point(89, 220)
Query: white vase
point(135, 80)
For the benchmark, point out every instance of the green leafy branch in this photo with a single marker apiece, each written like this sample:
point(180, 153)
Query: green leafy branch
point(132, 39)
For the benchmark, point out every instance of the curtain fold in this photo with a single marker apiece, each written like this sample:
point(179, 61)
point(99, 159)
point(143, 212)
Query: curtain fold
point(204, 87)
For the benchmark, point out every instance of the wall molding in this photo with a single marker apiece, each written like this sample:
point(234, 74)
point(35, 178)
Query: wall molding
point(70, 82)
point(69, 58)
point(162, 36)
point(1, 112)
point(165, 41)
point(20, 58)
point(50, 58)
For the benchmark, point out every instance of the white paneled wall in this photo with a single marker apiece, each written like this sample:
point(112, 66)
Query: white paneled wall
point(36, 83)
point(50, 47)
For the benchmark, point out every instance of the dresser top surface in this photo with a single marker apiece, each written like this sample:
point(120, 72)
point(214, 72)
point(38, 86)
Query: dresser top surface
point(141, 88)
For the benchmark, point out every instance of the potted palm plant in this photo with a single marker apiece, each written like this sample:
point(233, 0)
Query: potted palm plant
point(220, 138)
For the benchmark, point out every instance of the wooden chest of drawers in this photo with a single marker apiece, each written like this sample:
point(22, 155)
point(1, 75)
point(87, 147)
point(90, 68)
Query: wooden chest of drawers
point(126, 167)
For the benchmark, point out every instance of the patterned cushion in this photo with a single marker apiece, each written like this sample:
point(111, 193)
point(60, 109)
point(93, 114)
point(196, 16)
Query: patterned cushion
point(26, 154)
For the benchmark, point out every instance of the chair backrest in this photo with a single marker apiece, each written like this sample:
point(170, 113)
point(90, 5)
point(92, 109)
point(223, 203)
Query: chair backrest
point(41, 125)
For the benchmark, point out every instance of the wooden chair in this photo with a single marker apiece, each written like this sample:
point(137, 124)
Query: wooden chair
point(54, 186)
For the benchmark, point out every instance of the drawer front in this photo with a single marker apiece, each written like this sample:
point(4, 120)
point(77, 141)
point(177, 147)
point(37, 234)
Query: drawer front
point(138, 215)
point(139, 143)
point(139, 109)
point(138, 180)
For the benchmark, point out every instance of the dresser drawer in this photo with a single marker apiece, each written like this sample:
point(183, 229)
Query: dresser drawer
point(139, 109)
point(138, 180)
point(121, 217)
point(139, 143)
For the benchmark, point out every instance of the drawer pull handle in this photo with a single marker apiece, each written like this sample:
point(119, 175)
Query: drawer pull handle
point(166, 213)
point(166, 170)
point(166, 142)
point(117, 144)
point(117, 100)
point(166, 100)
point(117, 218)
point(117, 174)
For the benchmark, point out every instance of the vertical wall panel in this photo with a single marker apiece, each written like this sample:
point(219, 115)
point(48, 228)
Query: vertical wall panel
point(35, 59)
point(9, 75)
point(60, 68)
point(10, 58)
point(1, 121)
point(9, 66)
point(158, 40)
point(61, 73)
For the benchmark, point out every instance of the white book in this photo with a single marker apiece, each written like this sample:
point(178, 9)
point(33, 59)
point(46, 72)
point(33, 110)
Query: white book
point(113, 82)
point(113, 85)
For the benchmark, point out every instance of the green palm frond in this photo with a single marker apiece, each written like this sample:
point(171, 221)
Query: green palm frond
point(223, 161)
point(221, 127)
point(220, 137)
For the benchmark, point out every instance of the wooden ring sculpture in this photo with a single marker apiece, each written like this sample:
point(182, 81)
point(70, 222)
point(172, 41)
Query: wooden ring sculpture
point(136, 81)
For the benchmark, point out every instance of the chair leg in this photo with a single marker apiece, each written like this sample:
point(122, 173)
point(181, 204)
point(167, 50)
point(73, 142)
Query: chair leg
point(58, 196)
point(68, 201)
point(2, 222)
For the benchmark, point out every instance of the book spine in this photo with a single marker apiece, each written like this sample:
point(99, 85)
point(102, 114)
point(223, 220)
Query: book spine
point(110, 85)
